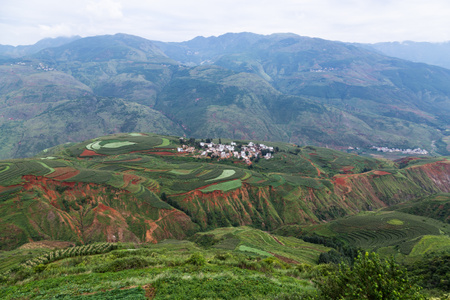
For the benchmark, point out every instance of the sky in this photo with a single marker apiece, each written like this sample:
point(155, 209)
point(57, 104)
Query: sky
point(24, 22)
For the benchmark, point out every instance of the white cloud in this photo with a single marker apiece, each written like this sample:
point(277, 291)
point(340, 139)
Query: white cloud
point(55, 30)
point(26, 21)
point(105, 9)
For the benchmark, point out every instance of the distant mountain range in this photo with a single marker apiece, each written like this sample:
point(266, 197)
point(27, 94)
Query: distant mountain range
point(280, 87)
point(429, 53)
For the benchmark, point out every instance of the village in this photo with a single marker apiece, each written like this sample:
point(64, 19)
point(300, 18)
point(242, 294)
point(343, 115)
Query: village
point(247, 153)
point(403, 151)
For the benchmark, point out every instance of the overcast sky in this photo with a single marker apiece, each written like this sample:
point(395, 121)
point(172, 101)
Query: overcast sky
point(24, 22)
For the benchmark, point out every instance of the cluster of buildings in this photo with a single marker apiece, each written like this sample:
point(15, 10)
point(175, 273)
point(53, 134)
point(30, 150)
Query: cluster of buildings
point(222, 151)
point(40, 66)
point(321, 70)
point(43, 67)
point(403, 151)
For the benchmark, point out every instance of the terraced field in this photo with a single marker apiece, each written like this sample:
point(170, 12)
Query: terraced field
point(399, 231)
point(252, 241)
point(138, 187)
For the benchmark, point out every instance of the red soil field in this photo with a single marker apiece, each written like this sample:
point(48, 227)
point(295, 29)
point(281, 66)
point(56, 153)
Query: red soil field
point(63, 173)
point(381, 173)
point(87, 152)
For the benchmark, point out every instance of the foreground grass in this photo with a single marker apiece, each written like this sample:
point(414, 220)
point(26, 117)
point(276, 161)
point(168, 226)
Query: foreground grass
point(168, 271)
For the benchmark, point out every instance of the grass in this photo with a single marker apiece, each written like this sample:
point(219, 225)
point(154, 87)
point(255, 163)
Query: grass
point(165, 271)
point(395, 222)
point(253, 250)
point(431, 244)
point(253, 240)
point(13, 258)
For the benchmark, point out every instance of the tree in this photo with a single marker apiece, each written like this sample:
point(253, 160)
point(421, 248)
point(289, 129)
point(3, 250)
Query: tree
point(369, 278)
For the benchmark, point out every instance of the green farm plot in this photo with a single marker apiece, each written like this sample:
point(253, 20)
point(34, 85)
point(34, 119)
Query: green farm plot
point(372, 231)
point(225, 174)
point(180, 172)
point(9, 192)
point(436, 206)
point(184, 175)
point(253, 250)
point(431, 244)
point(262, 243)
point(11, 259)
point(223, 186)
point(276, 180)
point(288, 163)
point(136, 134)
point(56, 163)
point(210, 174)
point(116, 180)
point(305, 181)
point(165, 143)
point(228, 244)
point(94, 176)
point(125, 143)
point(11, 172)
point(127, 160)
point(148, 197)
point(114, 168)
point(256, 179)
point(118, 144)
point(185, 180)
point(45, 165)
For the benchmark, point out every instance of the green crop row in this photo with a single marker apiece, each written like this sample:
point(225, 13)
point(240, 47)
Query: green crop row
point(94, 176)
point(69, 252)
point(17, 169)
point(8, 193)
point(223, 186)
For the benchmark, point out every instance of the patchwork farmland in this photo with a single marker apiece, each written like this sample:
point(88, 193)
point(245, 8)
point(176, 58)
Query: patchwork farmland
point(138, 187)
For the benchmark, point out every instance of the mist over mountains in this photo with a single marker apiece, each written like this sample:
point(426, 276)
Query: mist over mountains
point(279, 87)
point(429, 53)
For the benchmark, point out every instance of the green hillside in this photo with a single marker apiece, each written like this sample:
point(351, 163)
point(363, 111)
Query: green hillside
point(138, 187)
point(174, 269)
point(132, 216)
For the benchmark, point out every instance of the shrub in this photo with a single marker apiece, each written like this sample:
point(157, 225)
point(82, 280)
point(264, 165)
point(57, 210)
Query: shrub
point(274, 262)
point(121, 264)
point(223, 256)
point(39, 268)
point(196, 259)
point(369, 278)
point(304, 267)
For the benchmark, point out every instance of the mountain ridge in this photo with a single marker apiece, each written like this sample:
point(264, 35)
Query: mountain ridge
point(310, 91)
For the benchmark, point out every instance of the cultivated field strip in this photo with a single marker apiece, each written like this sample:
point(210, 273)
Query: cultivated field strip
point(384, 229)
point(13, 171)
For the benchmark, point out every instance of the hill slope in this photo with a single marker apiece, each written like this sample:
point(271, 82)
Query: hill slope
point(138, 187)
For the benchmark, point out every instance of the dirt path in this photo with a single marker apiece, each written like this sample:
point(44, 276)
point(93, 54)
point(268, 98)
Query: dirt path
point(277, 240)
point(319, 173)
